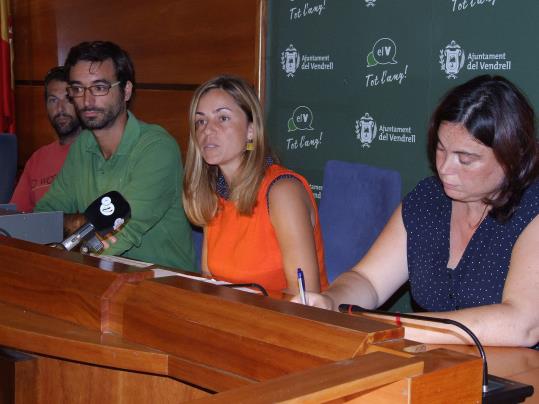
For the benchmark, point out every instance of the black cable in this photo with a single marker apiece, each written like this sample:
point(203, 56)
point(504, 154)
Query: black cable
point(5, 232)
point(345, 308)
point(247, 285)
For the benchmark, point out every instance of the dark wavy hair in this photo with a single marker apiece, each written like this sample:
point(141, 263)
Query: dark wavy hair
point(58, 73)
point(99, 51)
point(495, 112)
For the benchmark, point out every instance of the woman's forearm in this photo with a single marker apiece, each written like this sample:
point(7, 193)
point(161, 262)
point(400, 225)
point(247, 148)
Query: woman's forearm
point(352, 288)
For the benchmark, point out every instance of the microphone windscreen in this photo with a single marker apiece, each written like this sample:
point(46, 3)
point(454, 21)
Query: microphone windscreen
point(108, 212)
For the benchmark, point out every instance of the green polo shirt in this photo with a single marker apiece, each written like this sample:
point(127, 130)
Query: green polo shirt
point(147, 170)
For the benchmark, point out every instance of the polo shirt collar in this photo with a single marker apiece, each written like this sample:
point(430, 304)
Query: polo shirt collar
point(130, 137)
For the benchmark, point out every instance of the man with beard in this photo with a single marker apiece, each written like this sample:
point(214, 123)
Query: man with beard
point(118, 152)
point(45, 163)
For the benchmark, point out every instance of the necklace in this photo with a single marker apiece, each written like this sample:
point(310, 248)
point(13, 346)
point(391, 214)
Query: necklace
point(483, 216)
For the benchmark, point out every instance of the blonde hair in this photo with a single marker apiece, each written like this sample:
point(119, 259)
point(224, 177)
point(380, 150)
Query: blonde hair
point(200, 199)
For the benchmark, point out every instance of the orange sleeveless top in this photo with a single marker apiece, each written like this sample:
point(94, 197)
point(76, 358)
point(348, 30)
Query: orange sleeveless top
point(244, 249)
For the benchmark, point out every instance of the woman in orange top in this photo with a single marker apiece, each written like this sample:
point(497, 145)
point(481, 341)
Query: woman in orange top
point(260, 220)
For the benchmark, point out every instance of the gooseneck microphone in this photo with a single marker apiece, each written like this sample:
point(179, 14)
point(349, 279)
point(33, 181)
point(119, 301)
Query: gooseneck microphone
point(105, 214)
point(496, 390)
point(350, 308)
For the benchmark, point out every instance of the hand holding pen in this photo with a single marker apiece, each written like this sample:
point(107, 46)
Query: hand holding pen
point(301, 287)
point(310, 298)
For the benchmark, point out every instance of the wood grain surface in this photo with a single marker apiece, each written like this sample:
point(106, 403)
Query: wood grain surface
point(90, 326)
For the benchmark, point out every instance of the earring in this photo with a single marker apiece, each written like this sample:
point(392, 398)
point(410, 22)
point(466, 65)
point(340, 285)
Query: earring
point(250, 145)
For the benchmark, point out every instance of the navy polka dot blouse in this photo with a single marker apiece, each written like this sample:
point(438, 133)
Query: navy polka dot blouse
point(480, 275)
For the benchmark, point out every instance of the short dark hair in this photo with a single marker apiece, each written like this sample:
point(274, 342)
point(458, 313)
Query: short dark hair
point(99, 51)
point(58, 73)
point(495, 112)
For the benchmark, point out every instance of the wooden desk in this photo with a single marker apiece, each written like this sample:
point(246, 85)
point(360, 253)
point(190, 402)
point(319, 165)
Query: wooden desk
point(102, 333)
point(518, 364)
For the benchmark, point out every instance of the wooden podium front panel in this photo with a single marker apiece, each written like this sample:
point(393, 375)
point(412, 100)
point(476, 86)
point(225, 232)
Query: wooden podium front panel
point(192, 326)
point(58, 381)
point(41, 380)
point(32, 332)
point(62, 284)
point(449, 377)
point(16, 371)
point(207, 337)
point(231, 332)
point(330, 383)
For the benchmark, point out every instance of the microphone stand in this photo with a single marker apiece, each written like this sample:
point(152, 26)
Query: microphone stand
point(350, 308)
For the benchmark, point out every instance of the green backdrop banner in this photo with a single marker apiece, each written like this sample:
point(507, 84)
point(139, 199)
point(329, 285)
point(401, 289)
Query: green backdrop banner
point(356, 80)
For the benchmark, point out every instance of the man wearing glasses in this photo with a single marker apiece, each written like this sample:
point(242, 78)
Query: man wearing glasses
point(117, 152)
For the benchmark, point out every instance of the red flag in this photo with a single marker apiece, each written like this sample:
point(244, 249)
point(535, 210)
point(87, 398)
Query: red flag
point(7, 98)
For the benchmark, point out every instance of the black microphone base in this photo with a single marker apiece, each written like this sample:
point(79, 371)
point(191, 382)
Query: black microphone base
point(504, 391)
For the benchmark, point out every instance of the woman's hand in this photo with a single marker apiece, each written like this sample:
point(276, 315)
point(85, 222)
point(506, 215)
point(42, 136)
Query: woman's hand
point(316, 300)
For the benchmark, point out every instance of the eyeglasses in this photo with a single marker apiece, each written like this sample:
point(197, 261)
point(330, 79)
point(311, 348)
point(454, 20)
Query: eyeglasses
point(97, 90)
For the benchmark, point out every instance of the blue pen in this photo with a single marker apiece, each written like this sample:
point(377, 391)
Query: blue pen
point(301, 287)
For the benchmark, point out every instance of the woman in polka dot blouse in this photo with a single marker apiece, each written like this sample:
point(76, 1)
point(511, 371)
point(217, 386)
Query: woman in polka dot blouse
point(467, 238)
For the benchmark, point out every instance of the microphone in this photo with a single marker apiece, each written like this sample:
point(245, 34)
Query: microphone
point(509, 390)
point(105, 214)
